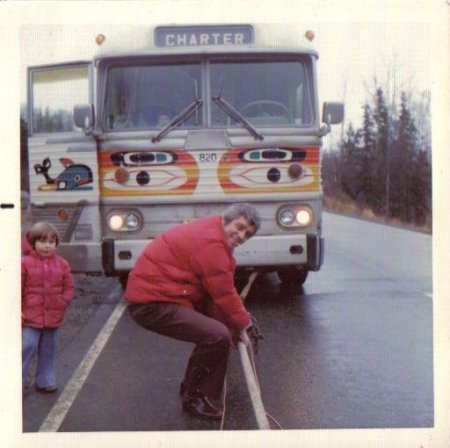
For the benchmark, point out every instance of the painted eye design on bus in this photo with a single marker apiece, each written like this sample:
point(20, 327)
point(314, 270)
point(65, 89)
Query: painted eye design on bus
point(148, 172)
point(144, 158)
point(154, 178)
point(276, 174)
point(264, 155)
point(270, 169)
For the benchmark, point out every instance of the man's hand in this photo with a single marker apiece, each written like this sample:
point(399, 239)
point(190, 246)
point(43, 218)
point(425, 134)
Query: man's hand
point(254, 333)
point(240, 336)
point(243, 336)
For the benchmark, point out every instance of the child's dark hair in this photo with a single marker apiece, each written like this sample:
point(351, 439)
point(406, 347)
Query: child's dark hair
point(41, 231)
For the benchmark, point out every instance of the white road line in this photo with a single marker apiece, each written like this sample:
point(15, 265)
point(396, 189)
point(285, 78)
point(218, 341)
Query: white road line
point(429, 294)
point(57, 414)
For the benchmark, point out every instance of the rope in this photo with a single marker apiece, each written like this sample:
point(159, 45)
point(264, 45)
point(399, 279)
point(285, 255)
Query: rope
point(222, 422)
point(249, 367)
point(249, 284)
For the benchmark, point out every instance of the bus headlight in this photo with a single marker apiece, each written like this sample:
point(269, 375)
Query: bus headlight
point(131, 222)
point(304, 217)
point(123, 221)
point(286, 217)
point(295, 216)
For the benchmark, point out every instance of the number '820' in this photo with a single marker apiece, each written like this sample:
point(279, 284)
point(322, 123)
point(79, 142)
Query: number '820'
point(207, 157)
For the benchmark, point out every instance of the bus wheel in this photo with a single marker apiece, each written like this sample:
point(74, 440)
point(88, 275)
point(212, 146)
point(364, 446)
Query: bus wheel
point(123, 279)
point(240, 278)
point(293, 276)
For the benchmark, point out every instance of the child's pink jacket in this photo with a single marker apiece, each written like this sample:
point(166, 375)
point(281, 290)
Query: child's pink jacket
point(47, 289)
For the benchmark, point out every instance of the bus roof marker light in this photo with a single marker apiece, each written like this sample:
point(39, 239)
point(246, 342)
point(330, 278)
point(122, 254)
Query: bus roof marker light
point(100, 38)
point(310, 35)
point(62, 214)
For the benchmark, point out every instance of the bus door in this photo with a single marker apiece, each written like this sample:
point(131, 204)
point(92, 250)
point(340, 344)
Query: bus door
point(62, 160)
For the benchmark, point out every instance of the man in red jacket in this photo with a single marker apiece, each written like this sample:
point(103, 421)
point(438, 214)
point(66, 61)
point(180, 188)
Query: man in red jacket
point(182, 286)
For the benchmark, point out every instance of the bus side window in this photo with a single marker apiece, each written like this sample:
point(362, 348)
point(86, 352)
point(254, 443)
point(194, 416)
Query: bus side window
point(55, 92)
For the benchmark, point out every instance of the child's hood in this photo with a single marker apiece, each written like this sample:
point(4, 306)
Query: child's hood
point(27, 248)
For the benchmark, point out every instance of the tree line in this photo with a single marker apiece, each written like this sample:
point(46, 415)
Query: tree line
point(385, 165)
point(52, 120)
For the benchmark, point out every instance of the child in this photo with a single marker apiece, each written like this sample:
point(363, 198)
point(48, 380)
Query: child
point(47, 289)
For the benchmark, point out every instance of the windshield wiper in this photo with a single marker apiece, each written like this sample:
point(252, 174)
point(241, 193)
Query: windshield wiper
point(233, 113)
point(178, 119)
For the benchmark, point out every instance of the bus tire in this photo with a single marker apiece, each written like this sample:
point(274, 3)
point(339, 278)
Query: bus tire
point(293, 276)
point(240, 278)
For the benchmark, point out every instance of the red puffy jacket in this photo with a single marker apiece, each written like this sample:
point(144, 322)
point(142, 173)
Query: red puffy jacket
point(47, 289)
point(191, 265)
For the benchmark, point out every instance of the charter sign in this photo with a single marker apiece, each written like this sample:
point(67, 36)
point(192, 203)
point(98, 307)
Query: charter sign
point(194, 36)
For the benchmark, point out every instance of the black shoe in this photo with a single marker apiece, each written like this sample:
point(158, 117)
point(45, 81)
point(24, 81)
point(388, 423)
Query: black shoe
point(200, 406)
point(46, 389)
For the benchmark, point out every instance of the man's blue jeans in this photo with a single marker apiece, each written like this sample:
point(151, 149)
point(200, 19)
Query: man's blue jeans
point(43, 343)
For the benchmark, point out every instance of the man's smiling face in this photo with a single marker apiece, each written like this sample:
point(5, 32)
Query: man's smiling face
point(238, 232)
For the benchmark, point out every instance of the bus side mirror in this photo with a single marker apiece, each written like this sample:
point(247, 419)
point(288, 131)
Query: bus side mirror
point(83, 116)
point(333, 113)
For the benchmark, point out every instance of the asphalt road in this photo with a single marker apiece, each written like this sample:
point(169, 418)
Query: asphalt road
point(353, 348)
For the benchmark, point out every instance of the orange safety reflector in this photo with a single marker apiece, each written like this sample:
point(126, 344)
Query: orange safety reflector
point(62, 214)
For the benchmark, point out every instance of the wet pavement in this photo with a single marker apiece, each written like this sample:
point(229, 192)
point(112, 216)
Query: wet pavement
point(353, 348)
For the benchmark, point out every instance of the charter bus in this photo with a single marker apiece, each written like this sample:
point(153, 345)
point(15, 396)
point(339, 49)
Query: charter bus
point(198, 118)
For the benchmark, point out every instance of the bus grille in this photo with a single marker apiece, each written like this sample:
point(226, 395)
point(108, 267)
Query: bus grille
point(50, 214)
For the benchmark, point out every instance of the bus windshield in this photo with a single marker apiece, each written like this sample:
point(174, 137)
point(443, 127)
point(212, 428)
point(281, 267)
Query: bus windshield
point(266, 93)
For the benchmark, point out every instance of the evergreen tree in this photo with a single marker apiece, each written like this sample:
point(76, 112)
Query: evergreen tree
point(48, 122)
point(331, 173)
point(378, 174)
point(369, 135)
point(421, 187)
point(58, 121)
point(351, 164)
point(404, 150)
point(417, 177)
point(37, 120)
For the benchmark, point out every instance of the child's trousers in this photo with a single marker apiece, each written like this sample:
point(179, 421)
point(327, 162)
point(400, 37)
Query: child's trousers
point(43, 343)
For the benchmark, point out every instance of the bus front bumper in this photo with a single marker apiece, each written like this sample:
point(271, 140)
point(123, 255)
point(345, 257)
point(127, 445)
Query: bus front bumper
point(119, 256)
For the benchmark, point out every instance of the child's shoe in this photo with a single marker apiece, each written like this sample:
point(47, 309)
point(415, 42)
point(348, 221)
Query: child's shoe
point(47, 389)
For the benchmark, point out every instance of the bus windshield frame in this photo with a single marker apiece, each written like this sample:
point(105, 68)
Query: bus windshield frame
point(270, 91)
